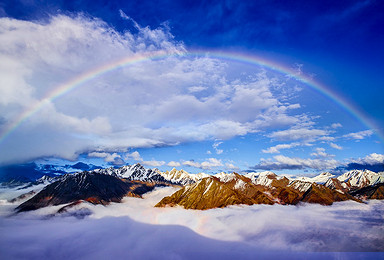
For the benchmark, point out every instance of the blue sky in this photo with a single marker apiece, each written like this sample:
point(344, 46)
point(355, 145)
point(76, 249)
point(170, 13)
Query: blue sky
point(199, 113)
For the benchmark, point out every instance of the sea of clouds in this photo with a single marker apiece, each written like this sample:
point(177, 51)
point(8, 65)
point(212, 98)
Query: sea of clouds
point(136, 229)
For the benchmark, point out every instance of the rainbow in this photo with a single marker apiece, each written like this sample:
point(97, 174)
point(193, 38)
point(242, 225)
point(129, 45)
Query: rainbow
point(237, 57)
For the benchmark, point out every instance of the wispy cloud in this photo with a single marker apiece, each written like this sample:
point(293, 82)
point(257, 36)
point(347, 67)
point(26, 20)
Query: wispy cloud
point(336, 146)
point(280, 162)
point(359, 135)
point(205, 165)
point(215, 147)
point(277, 148)
point(113, 158)
point(302, 133)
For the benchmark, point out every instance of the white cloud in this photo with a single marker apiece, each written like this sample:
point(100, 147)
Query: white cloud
point(371, 159)
point(135, 156)
point(173, 164)
point(196, 89)
point(336, 125)
point(231, 167)
point(108, 157)
point(153, 163)
point(335, 146)
point(277, 148)
point(215, 147)
point(298, 134)
point(281, 162)
point(320, 153)
point(231, 233)
point(206, 165)
point(192, 164)
point(359, 135)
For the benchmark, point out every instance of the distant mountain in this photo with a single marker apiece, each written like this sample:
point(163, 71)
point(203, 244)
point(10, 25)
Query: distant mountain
point(14, 175)
point(354, 180)
point(19, 174)
point(134, 172)
point(93, 187)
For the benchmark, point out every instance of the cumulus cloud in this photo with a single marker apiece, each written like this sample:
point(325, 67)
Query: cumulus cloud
point(134, 155)
point(281, 162)
point(373, 162)
point(149, 103)
point(227, 233)
point(359, 135)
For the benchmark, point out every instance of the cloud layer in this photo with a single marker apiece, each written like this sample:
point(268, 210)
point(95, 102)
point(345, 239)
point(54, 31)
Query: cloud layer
point(134, 226)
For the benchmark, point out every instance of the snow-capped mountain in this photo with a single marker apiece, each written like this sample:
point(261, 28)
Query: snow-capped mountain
point(134, 172)
point(182, 177)
point(48, 179)
point(355, 179)
point(360, 179)
point(319, 179)
point(263, 178)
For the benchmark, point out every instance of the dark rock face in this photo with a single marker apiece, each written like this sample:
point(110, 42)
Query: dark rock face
point(375, 192)
point(89, 186)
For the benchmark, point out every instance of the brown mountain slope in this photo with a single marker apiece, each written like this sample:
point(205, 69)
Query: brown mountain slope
point(212, 193)
point(322, 195)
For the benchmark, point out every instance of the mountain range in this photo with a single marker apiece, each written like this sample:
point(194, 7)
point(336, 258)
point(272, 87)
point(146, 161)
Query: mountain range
point(204, 191)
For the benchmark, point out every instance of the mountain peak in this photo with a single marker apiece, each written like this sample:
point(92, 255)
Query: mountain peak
point(93, 187)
